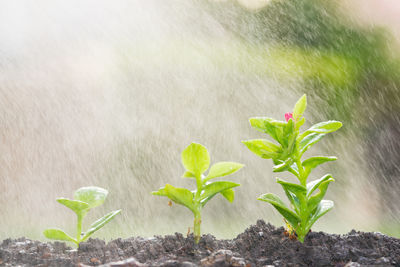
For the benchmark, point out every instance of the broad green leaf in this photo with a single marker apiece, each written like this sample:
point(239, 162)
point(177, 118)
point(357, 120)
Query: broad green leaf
point(325, 127)
point(222, 169)
point(211, 189)
point(76, 205)
point(294, 192)
point(160, 192)
point(229, 194)
point(313, 162)
point(180, 196)
point(195, 159)
point(283, 166)
point(188, 174)
point(312, 186)
point(315, 199)
point(323, 207)
point(294, 188)
point(99, 224)
point(263, 148)
point(299, 108)
point(309, 140)
point(58, 234)
point(299, 123)
point(93, 195)
point(281, 207)
point(269, 126)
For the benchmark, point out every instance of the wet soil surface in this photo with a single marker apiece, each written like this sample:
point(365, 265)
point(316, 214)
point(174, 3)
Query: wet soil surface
point(259, 245)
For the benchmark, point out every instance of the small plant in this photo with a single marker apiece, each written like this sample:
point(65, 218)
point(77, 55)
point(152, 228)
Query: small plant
point(306, 199)
point(85, 198)
point(196, 160)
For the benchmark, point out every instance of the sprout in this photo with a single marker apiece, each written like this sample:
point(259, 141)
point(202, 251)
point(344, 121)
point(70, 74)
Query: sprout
point(196, 160)
point(85, 198)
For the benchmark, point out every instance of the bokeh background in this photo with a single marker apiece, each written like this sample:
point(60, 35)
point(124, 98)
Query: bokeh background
point(109, 93)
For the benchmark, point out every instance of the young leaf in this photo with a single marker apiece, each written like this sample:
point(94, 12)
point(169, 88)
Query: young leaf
point(75, 205)
point(222, 169)
point(195, 159)
point(180, 196)
point(314, 200)
point(312, 186)
point(294, 188)
point(99, 224)
point(283, 166)
point(269, 126)
point(93, 195)
point(280, 206)
point(160, 192)
point(211, 189)
point(309, 140)
point(188, 174)
point(300, 107)
point(325, 127)
point(313, 162)
point(58, 234)
point(229, 194)
point(263, 148)
point(323, 207)
point(294, 192)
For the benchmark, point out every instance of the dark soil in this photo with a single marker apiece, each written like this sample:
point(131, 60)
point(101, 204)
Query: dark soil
point(260, 245)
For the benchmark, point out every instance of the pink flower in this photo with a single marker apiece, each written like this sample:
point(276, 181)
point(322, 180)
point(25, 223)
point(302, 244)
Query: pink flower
point(288, 116)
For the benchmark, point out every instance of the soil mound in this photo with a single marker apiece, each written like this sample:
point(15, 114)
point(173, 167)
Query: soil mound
point(259, 245)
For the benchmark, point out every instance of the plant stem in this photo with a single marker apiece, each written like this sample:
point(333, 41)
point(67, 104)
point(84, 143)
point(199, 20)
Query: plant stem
point(197, 214)
point(197, 222)
point(79, 228)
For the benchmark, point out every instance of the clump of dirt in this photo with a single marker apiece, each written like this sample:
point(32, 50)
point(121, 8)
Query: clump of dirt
point(259, 245)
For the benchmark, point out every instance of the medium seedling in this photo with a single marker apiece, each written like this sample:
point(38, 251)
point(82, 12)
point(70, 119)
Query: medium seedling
point(196, 160)
point(85, 198)
point(306, 199)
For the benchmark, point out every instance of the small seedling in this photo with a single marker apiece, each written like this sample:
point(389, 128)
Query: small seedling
point(85, 198)
point(306, 199)
point(196, 160)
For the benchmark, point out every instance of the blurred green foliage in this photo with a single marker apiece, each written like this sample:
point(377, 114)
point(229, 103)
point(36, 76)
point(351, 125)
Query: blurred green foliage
point(344, 67)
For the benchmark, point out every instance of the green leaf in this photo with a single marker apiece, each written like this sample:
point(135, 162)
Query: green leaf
point(283, 166)
point(211, 189)
point(263, 148)
point(188, 174)
point(76, 205)
point(229, 194)
point(315, 199)
point(180, 196)
point(312, 186)
point(294, 192)
point(309, 140)
point(310, 163)
point(58, 234)
point(93, 195)
point(299, 108)
point(294, 188)
point(223, 168)
point(269, 126)
point(99, 224)
point(160, 192)
point(323, 207)
point(325, 127)
point(281, 207)
point(195, 159)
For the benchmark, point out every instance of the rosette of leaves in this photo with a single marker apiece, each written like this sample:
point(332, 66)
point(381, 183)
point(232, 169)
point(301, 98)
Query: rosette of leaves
point(196, 160)
point(306, 198)
point(85, 198)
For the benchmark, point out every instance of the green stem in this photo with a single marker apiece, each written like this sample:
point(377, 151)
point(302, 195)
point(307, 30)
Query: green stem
point(197, 214)
point(197, 222)
point(79, 228)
